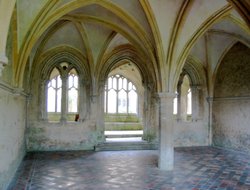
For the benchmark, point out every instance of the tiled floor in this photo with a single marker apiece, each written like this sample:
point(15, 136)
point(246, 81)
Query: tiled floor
point(195, 168)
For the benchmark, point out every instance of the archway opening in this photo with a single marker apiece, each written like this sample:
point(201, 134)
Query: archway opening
point(123, 104)
point(183, 101)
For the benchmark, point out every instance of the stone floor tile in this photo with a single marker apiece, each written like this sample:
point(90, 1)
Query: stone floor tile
point(197, 168)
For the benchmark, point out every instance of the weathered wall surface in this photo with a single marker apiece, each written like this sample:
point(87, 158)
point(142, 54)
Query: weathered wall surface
point(44, 136)
point(12, 127)
point(231, 124)
point(191, 133)
point(231, 105)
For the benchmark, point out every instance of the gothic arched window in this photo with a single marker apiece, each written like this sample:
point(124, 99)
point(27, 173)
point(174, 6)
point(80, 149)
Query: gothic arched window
point(54, 92)
point(120, 96)
point(183, 101)
point(72, 91)
point(62, 93)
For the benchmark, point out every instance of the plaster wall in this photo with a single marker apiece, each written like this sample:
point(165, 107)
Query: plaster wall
point(231, 124)
point(165, 25)
point(231, 106)
point(27, 11)
point(12, 127)
point(192, 22)
point(134, 8)
point(45, 136)
point(217, 46)
point(191, 133)
point(199, 50)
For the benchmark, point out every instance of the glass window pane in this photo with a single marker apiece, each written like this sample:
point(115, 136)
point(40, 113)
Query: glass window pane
point(130, 86)
point(125, 84)
point(112, 101)
point(117, 101)
point(120, 83)
point(189, 102)
point(70, 81)
point(76, 81)
point(72, 100)
point(59, 82)
point(53, 83)
point(72, 92)
point(59, 100)
point(110, 83)
point(51, 100)
point(115, 83)
point(122, 102)
point(54, 92)
point(132, 96)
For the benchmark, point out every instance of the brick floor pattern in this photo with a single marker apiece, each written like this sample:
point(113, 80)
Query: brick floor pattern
point(196, 168)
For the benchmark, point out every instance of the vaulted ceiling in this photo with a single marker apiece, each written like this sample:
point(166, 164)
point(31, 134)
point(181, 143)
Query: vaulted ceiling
point(160, 34)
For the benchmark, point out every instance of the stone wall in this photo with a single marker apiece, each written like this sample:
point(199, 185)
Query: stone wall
point(12, 129)
point(45, 136)
point(191, 133)
point(231, 106)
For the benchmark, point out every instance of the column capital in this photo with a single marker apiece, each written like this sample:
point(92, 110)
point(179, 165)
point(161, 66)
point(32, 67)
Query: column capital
point(166, 95)
point(3, 62)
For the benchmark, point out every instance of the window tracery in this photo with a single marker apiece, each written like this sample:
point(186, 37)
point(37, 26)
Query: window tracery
point(120, 96)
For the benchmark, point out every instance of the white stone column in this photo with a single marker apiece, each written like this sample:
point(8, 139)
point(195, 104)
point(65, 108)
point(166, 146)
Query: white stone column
point(146, 112)
point(195, 102)
point(179, 102)
point(166, 148)
point(64, 103)
point(3, 62)
point(82, 106)
point(210, 119)
point(43, 100)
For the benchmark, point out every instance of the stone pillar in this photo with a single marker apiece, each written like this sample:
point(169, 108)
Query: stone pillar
point(179, 102)
point(43, 101)
point(100, 106)
point(183, 97)
point(64, 103)
point(166, 148)
point(145, 115)
point(3, 62)
point(82, 107)
point(210, 119)
point(195, 102)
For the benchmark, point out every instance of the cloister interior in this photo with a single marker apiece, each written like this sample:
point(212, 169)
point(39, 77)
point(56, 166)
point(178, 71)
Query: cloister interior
point(172, 74)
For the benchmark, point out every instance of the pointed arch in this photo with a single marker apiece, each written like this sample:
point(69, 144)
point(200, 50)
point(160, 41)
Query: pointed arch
point(43, 21)
point(202, 29)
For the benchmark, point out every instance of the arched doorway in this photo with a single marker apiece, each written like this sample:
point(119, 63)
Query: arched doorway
point(123, 104)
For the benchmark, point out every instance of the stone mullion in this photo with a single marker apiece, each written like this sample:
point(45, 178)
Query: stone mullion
point(81, 101)
point(179, 102)
point(64, 102)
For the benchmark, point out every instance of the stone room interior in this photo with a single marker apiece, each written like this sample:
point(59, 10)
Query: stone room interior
point(125, 94)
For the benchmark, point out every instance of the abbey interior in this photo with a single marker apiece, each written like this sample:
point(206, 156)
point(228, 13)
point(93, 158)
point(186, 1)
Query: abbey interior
point(124, 94)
